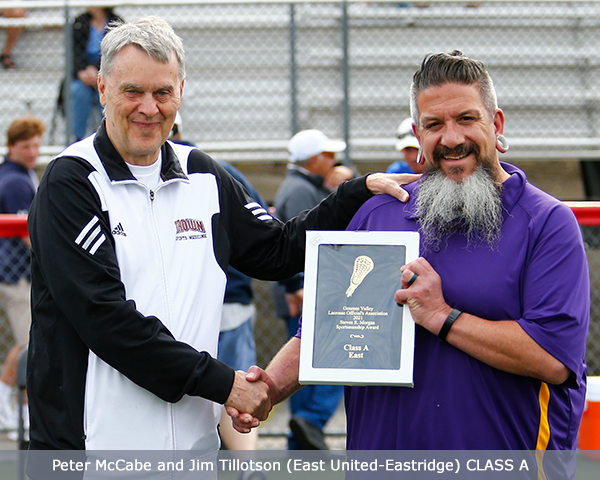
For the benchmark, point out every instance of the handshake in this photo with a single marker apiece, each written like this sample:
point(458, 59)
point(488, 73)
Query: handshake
point(251, 399)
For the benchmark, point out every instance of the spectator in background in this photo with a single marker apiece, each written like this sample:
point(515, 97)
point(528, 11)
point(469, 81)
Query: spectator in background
point(409, 146)
point(89, 29)
point(177, 132)
point(12, 35)
point(312, 159)
point(236, 338)
point(18, 184)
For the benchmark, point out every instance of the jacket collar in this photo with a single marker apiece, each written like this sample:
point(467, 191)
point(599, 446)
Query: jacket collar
point(117, 169)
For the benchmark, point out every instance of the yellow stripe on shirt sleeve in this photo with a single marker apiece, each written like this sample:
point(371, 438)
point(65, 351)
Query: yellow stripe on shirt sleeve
point(544, 431)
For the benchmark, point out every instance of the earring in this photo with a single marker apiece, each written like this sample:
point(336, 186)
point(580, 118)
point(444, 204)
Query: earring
point(420, 156)
point(502, 143)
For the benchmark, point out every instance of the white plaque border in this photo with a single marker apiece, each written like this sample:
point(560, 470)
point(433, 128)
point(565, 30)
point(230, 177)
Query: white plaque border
point(346, 376)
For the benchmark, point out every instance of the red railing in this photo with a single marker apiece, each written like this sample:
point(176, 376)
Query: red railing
point(13, 225)
point(587, 213)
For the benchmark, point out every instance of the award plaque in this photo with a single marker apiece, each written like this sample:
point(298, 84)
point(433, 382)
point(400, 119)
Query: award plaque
point(353, 332)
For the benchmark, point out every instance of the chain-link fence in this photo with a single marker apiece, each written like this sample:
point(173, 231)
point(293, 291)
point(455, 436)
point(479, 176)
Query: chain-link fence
point(259, 71)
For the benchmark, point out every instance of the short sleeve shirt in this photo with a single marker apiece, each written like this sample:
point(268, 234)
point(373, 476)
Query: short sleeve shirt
point(538, 276)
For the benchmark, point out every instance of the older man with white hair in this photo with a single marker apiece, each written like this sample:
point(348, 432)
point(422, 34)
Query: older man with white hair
point(131, 237)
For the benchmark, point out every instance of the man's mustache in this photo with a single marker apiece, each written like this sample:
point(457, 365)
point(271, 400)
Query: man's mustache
point(461, 150)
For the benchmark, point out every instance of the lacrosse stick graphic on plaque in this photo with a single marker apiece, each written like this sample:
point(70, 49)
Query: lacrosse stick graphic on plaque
point(362, 267)
point(353, 332)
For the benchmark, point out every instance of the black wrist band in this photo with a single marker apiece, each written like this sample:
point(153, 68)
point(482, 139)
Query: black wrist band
point(448, 324)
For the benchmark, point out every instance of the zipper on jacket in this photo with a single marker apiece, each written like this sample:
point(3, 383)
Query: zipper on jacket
point(167, 319)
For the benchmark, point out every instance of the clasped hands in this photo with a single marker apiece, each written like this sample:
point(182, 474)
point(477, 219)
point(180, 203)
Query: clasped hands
point(250, 400)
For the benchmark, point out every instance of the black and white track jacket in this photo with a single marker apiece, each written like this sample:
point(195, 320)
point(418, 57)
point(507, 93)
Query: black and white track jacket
point(127, 288)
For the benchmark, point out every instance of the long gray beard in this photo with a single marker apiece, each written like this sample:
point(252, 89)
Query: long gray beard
point(472, 207)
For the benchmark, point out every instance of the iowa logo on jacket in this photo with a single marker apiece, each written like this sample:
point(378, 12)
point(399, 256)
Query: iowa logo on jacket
point(189, 229)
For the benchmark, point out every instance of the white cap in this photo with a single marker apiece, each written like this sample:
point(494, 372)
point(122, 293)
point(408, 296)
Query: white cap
point(308, 143)
point(178, 120)
point(406, 136)
point(176, 128)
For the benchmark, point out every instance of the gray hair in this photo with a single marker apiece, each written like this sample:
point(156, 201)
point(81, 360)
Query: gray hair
point(152, 34)
point(441, 68)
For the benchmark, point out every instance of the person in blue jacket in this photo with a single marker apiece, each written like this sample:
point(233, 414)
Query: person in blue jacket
point(18, 183)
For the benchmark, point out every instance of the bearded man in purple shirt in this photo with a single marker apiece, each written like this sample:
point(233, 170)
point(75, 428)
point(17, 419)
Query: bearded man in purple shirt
point(500, 295)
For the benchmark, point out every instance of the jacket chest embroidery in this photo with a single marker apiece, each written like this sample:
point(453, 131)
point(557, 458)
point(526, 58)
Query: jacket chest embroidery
point(189, 229)
point(119, 230)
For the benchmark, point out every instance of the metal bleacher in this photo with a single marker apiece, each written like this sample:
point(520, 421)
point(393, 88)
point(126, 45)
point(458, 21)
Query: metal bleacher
point(544, 58)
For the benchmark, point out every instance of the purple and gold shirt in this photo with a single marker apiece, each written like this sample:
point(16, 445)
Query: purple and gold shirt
point(538, 276)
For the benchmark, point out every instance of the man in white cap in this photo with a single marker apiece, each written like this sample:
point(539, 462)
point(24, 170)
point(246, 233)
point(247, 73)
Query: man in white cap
point(312, 159)
point(409, 146)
